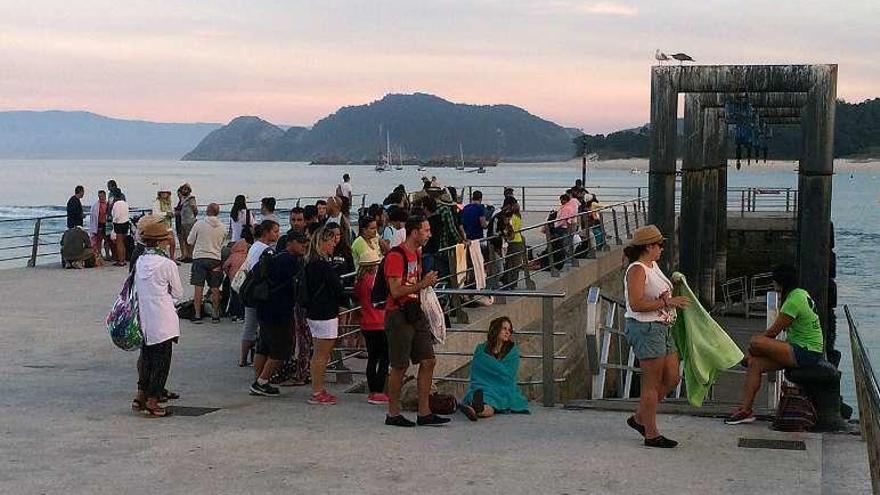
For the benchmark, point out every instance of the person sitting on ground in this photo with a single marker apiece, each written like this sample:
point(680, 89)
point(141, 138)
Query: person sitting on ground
point(207, 238)
point(157, 282)
point(372, 328)
point(368, 240)
point(803, 345)
point(76, 249)
point(493, 389)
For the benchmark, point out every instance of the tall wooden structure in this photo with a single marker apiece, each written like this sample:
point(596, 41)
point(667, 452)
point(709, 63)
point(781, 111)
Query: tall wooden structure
point(782, 95)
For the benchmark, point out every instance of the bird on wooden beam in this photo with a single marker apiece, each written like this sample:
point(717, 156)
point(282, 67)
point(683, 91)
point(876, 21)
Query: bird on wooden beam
point(682, 57)
point(660, 56)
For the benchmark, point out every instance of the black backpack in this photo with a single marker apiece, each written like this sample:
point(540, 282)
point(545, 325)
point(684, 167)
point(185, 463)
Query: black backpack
point(256, 286)
point(380, 292)
point(301, 288)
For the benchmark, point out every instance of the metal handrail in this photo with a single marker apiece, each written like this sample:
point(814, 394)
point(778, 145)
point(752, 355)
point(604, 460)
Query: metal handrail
point(868, 393)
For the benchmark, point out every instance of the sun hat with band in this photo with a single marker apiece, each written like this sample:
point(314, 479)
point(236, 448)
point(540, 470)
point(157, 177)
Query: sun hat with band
point(153, 228)
point(645, 236)
point(369, 257)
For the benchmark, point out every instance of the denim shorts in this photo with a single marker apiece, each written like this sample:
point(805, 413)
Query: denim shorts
point(649, 340)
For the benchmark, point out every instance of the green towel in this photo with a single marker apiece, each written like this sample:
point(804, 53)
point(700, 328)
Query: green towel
point(497, 379)
point(704, 347)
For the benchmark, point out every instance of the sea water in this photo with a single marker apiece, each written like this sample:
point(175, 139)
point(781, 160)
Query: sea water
point(31, 188)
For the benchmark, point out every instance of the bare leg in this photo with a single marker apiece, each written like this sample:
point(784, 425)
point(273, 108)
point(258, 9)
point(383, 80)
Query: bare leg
point(215, 302)
point(269, 368)
point(259, 364)
point(651, 379)
point(323, 347)
point(120, 248)
point(426, 375)
point(246, 346)
point(198, 296)
point(757, 367)
point(395, 383)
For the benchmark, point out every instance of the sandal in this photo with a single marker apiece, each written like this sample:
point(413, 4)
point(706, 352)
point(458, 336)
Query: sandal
point(166, 395)
point(156, 412)
point(137, 405)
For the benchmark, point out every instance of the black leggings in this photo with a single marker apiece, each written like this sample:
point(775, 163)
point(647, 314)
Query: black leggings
point(377, 359)
point(155, 362)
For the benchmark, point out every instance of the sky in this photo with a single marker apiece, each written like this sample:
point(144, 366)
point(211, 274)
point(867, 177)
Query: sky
point(583, 64)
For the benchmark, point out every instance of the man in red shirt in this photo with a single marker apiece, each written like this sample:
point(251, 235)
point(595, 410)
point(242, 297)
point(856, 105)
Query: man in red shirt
point(409, 336)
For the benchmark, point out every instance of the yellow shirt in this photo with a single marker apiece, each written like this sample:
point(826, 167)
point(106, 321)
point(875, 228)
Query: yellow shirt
point(516, 223)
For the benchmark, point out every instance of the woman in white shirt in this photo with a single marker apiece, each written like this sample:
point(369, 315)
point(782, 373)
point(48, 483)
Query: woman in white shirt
point(121, 225)
point(157, 283)
point(650, 310)
point(239, 217)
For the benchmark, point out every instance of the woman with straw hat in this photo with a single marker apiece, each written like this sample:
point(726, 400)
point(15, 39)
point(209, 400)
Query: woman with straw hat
point(372, 327)
point(650, 311)
point(157, 283)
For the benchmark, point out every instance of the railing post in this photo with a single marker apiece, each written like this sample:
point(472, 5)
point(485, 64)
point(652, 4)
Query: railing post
point(616, 228)
point(636, 214)
point(548, 375)
point(775, 379)
point(742, 204)
point(787, 199)
point(604, 246)
point(626, 222)
point(867, 412)
point(593, 331)
point(32, 262)
point(523, 206)
point(551, 251)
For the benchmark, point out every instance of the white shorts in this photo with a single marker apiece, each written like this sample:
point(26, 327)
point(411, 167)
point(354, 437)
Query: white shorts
point(324, 329)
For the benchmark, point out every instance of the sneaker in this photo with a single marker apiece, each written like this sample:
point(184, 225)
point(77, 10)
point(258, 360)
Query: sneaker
point(660, 442)
point(196, 319)
point(398, 420)
point(322, 398)
point(378, 399)
point(635, 425)
point(740, 416)
point(431, 420)
point(264, 390)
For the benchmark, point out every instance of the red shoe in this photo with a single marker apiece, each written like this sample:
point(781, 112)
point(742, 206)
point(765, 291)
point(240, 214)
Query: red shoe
point(322, 398)
point(378, 399)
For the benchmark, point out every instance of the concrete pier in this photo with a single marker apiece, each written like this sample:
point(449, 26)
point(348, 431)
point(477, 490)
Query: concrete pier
point(67, 427)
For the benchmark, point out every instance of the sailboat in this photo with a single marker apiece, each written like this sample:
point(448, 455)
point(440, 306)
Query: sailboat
point(380, 167)
point(399, 154)
point(460, 165)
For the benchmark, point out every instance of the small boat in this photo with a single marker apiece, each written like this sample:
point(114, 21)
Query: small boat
point(481, 170)
point(634, 171)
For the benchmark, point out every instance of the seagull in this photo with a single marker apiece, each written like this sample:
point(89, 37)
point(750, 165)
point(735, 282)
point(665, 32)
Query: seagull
point(660, 56)
point(682, 57)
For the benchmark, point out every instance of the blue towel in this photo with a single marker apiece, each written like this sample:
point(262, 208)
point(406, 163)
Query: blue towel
point(497, 379)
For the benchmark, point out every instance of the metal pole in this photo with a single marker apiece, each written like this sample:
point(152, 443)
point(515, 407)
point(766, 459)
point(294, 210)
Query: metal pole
point(36, 246)
point(548, 351)
point(616, 229)
point(742, 205)
point(524, 198)
point(584, 168)
point(626, 222)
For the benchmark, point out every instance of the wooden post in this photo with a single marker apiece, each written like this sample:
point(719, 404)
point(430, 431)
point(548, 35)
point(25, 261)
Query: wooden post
point(548, 374)
point(711, 151)
point(690, 244)
point(661, 178)
point(32, 262)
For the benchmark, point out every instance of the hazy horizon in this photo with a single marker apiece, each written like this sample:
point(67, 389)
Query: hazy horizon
point(581, 64)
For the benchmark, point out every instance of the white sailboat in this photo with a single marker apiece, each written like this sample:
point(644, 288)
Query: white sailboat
point(460, 165)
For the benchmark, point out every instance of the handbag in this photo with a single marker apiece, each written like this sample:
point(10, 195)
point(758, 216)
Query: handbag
point(239, 278)
point(795, 411)
point(123, 320)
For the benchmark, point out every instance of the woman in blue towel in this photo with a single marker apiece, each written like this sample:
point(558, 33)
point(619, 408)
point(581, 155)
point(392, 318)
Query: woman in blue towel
point(493, 389)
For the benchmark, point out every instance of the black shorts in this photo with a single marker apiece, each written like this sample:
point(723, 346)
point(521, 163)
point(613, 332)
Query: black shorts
point(206, 270)
point(275, 340)
point(408, 342)
point(804, 357)
point(121, 228)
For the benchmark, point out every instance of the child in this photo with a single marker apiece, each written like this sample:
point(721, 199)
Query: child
point(372, 327)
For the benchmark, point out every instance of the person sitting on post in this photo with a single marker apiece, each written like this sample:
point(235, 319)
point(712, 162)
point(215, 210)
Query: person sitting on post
point(493, 388)
point(803, 345)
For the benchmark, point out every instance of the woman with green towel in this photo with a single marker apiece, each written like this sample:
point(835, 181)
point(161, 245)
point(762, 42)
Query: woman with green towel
point(650, 311)
point(803, 345)
point(494, 368)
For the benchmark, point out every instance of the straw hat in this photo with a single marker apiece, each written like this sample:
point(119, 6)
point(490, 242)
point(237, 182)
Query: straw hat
point(153, 228)
point(649, 234)
point(369, 257)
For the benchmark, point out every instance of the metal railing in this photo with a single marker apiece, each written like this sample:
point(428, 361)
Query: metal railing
point(868, 393)
point(601, 228)
point(37, 238)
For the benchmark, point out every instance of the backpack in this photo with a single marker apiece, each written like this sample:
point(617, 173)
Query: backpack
point(301, 288)
point(795, 411)
point(380, 292)
point(256, 286)
point(123, 321)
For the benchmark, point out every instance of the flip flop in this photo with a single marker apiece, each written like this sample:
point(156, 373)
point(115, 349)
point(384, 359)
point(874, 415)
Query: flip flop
point(137, 405)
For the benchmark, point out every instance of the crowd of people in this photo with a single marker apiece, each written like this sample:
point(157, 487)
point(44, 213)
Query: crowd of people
point(322, 278)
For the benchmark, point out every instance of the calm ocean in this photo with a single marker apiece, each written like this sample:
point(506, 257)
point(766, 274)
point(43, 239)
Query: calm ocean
point(42, 187)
